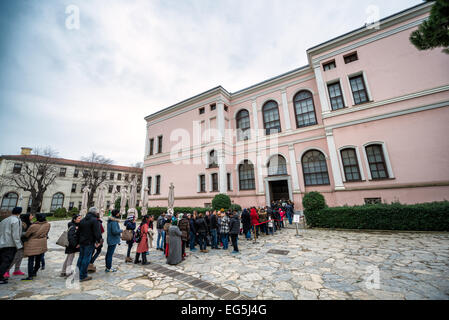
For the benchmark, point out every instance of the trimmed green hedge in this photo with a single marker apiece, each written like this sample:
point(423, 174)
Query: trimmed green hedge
point(419, 217)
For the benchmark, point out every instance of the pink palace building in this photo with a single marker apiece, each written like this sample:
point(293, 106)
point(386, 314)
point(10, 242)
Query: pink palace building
point(367, 120)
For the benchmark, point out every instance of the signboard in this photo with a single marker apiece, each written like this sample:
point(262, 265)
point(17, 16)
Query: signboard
point(296, 218)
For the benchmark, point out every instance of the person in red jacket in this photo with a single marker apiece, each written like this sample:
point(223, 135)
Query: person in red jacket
point(254, 220)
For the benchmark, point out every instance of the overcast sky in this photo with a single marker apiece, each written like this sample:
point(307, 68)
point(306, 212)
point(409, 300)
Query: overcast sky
point(89, 89)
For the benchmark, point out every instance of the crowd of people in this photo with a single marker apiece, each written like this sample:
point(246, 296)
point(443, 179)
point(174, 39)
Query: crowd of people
point(176, 232)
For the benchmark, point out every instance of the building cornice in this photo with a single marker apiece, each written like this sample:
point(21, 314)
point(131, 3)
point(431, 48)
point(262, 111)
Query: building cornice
point(367, 30)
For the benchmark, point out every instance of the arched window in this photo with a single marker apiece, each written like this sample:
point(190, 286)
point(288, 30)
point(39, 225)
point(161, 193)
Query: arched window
point(246, 176)
point(243, 125)
point(350, 164)
point(277, 166)
point(271, 119)
point(304, 109)
point(315, 168)
point(57, 201)
point(376, 161)
point(9, 201)
point(213, 163)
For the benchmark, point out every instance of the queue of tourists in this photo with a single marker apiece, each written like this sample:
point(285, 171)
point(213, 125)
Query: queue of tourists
point(20, 238)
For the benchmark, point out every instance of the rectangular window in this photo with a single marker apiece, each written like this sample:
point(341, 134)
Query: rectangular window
point(351, 58)
point(104, 175)
point(119, 188)
point(350, 165)
point(213, 107)
point(202, 183)
point(17, 168)
point(111, 176)
point(373, 201)
point(376, 161)
point(76, 173)
point(336, 96)
point(119, 177)
point(214, 182)
point(79, 205)
point(329, 65)
point(85, 173)
point(202, 110)
point(226, 109)
point(126, 177)
point(71, 205)
point(159, 144)
point(151, 147)
point(73, 188)
point(358, 89)
point(82, 187)
point(158, 184)
point(108, 205)
point(96, 176)
point(229, 182)
point(150, 183)
point(111, 187)
point(62, 172)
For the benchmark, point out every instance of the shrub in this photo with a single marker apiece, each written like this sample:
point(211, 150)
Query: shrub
point(60, 213)
point(418, 217)
point(314, 201)
point(221, 201)
point(74, 211)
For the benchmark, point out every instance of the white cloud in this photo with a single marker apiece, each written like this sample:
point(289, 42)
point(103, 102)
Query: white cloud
point(89, 89)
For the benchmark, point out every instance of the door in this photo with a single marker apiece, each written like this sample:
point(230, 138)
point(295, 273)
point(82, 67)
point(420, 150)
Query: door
point(279, 190)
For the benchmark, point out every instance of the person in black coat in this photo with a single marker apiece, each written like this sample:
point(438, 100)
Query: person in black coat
point(246, 221)
point(192, 232)
point(201, 231)
point(130, 224)
point(89, 238)
point(213, 228)
point(234, 230)
point(73, 247)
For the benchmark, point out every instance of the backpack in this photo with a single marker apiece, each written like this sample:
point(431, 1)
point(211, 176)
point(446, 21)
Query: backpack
point(138, 235)
point(160, 224)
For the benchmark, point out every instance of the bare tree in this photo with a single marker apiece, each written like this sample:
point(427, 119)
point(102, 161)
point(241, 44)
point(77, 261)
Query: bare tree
point(34, 174)
point(94, 173)
point(137, 165)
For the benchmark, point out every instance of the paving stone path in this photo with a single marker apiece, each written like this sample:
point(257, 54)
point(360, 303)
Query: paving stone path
point(320, 264)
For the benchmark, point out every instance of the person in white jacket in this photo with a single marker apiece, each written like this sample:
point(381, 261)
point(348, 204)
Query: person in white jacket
point(10, 235)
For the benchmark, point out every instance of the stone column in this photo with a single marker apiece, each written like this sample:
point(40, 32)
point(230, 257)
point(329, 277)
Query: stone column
point(338, 180)
point(221, 152)
point(321, 88)
point(260, 182)
point(147, 142)
point(294, 169)
point(255, 118)
point(288, 125)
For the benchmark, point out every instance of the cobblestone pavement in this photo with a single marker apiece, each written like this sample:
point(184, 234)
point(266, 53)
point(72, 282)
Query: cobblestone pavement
point(320, 264)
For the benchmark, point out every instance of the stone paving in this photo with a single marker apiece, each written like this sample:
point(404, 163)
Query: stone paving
point(320, 264)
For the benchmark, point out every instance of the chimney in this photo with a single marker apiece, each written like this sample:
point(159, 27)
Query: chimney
point(26, 151)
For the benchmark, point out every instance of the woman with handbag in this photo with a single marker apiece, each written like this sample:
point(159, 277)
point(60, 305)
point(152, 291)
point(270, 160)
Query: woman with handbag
point(129, 235)
point(142, 240)
point(36, 244)
point(72, 245)
point(113, 238)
